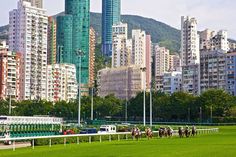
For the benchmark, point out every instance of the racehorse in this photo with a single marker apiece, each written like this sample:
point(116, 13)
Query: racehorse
point(187, 132)
point(136, 133)
point(149, 133)
point(161, 132)
point(169, 131)
point(194, 131)
point(181, 132)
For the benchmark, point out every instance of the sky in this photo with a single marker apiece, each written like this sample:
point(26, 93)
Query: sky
point(212, 14)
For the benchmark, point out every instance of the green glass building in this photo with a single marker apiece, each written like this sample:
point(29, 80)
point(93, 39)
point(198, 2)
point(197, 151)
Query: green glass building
point(110, 15)
point(64, 39)
point(79, 13)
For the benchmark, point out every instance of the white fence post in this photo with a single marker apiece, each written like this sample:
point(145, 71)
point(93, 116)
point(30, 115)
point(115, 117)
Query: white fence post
point(14, 145)
point(50, 142)
point(33, 144)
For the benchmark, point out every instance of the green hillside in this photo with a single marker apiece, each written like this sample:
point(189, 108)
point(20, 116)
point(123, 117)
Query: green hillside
point(160, 32)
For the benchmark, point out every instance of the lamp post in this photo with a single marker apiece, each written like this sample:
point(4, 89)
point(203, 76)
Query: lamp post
point(10, 93)
point(144, 95)
point(151, 106)
point(92, 105)
point(126, 103)
point(80, 53)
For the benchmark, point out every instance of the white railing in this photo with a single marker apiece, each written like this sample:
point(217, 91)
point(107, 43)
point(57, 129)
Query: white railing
point(126, 134)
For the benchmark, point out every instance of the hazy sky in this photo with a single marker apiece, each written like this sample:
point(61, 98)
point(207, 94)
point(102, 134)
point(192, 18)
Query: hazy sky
point(213, 14)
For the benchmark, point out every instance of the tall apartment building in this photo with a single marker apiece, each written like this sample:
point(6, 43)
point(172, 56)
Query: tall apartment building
point(162, 60)
point(174, 62)
point(110, 16)
point(162, 65)
point(139, 47)
point(75, 26)
point(61, 82)
point(231, 73)
point(213, 70)
point(36, 3)
point(141, 53)
point(28, 35)
point(52, 41)
point(148, 61)
point(92, 43)
point(211, 40)
point(119, 42)
point(172, 82)
point(190, 55)
point(10, 64)
point(123, 82)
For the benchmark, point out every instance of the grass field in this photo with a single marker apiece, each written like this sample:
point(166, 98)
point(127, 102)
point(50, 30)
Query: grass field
point(222, 144)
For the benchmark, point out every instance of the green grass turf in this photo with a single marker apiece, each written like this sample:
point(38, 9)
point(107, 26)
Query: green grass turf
point(221, 144)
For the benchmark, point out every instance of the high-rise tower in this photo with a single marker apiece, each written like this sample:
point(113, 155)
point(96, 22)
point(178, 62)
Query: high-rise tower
point(77, 20)
point(28, 35)
point(110, 16)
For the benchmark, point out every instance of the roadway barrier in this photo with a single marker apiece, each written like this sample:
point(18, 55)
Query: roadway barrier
point(89, 136)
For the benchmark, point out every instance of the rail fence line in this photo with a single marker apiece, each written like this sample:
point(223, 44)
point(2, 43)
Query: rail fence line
point(126, 134)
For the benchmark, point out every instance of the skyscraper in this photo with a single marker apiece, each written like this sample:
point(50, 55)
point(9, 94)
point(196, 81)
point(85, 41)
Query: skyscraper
point(28, 35)
point(52, 41)
point(77, 20)
point(92, 43)
point(190, 55)
point(110, 16)
point(64, 39)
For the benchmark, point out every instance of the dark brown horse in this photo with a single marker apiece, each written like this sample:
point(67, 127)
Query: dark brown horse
point(149, 133)
point(169, 131)
point(194, 131)
point(136, 133)
point(187, 132)
point(181, 132)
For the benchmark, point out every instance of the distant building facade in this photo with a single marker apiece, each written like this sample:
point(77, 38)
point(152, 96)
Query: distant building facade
point(25, 23)
point(61, 82)
point(10, 74)
point(111, 14)
point(92, 44)
point(123, 82)
point(213, 70)
point(52, 41)
point(172, 82)
point(190, 55)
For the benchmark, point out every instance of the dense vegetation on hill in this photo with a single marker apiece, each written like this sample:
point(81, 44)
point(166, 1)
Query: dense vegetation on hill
point(161, 33)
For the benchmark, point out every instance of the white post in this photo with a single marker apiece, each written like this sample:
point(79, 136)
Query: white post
point(50, 142)
point(100, 139)
point(33, 144)
point(92, 105)
point(151, 106)
point(64, 141)
point(89, 139)
point(79, 106)
point(109, 138)
point(77, 140)
point(14, 145)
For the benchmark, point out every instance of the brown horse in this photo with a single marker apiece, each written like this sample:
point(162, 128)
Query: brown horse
point(136, 133)
point(181, 132)
point(163, 132)
point(194, 131)
point(187, 132)
point(149, 133)
point(169, 131)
